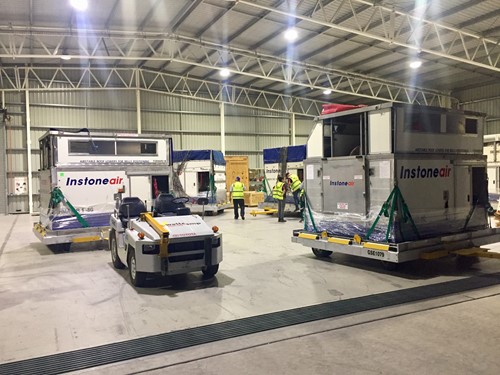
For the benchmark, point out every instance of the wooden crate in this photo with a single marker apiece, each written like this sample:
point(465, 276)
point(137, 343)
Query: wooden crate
point(237, 166)
point(253, 198)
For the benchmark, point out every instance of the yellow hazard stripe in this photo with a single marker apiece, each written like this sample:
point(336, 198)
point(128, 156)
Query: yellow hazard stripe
point(341, 241)
point(308, 236)
point(376, 246)
point(86, 239)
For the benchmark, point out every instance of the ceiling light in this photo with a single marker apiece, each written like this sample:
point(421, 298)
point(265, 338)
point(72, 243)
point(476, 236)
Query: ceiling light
point(327, 92)
point(65, 57)
point(224, 72)
point(79, 5)
point(291, 34)
point(415, 64)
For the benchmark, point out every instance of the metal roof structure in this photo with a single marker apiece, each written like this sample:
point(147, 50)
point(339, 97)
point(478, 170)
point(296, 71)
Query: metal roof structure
point(358, 49)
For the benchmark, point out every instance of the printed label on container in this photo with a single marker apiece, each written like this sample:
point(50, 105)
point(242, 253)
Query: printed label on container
point(342, 206)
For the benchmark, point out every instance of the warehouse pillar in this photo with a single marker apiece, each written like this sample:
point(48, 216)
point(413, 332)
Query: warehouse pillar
point(28, 151)
point(3, 151)
point(222, 129)
point(292, 129)
point(138, 101)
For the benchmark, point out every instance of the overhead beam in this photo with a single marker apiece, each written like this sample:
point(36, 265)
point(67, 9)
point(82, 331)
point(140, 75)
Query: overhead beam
point(420, 35)
point(89, 45)
point(93, 78)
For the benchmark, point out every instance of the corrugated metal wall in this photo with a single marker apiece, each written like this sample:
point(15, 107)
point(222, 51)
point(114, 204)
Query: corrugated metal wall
point(194, 124)
point(486, 100)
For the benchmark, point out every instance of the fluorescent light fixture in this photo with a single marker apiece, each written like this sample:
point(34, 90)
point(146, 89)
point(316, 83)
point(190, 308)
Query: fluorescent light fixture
point(291, 34)
point(327, 92)
point(65, 57)
point(415, 64)
point(79, 5)
point(224, 72)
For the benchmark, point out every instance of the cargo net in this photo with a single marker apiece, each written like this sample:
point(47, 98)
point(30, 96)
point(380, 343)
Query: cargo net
point(392, 222)
point(178, 189)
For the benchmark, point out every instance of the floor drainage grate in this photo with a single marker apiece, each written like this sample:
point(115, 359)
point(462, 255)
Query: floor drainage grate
point(144, 346)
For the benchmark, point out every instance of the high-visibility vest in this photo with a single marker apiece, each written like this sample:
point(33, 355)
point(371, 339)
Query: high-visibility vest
point(295, 182)
point(278, 191)
point(237, 192)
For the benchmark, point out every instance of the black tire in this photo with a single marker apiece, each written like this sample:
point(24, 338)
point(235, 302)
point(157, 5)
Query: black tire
point(210, 271)
point(113, 247)
point(137, 279)
point(321, 253)
point(466, 262)
point(60, 247)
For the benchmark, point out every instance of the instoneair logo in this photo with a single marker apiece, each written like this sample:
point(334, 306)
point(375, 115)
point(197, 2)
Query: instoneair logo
point(422, 172)
point(93, 181)
point(341, 183)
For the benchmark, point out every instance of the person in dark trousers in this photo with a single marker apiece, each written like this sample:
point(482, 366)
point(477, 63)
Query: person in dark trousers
point(294, 183)
point(236, 194)
point(279, 194)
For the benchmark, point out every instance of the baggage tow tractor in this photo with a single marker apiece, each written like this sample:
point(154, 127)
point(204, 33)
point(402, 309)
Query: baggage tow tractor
point(167, 243)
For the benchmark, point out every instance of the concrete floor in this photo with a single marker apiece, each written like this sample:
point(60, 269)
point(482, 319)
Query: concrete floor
point(51, 303)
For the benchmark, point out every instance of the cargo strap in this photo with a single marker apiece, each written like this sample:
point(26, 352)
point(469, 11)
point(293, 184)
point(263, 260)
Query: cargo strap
point(309, 210)
point(56, 197)
point(394, 200)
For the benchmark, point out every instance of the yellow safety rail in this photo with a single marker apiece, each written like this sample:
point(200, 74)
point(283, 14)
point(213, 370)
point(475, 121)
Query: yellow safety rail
point(161, 230)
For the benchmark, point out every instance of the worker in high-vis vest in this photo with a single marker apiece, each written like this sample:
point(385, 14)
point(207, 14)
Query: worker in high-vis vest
point(294, 183)
point(238, 197)
point(279, 194)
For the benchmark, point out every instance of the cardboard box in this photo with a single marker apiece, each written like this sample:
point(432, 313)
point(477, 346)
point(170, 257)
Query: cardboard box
point(253, 198)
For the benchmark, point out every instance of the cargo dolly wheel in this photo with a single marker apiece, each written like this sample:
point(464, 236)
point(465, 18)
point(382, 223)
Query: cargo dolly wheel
point(321, 253)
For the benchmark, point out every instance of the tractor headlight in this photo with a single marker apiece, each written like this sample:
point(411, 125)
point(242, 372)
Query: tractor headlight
point(150, 249)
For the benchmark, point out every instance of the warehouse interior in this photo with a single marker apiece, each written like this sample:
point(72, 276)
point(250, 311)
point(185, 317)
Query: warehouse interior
point(237, 76)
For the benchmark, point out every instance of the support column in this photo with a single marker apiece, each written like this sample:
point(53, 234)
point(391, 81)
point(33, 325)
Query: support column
point(138, 102)
point(3, 151)
point(292, 126)
point(222, 128)
point(28, 151)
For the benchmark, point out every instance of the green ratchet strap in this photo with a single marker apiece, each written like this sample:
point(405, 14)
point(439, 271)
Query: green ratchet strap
point(394, 199)
point(56, 197)
point(309, 210)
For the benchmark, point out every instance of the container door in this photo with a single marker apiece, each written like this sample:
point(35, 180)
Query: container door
point(314, 184)
point(344, 186)
point(462, 187)
point(140, 186)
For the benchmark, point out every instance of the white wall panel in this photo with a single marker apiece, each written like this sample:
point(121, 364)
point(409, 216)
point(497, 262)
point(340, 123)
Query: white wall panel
point(272, 125)
point(176, 140)
point(58, 117)
point(235, 124)
point(273, 141)
point(106, 119)
point(197, 142)
point(191, 105)
point(241, 143)
point(303, 127)
point(201, 123)
point(119, 99)
point(157, 121)
point(150, 100)
point(68, 98)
